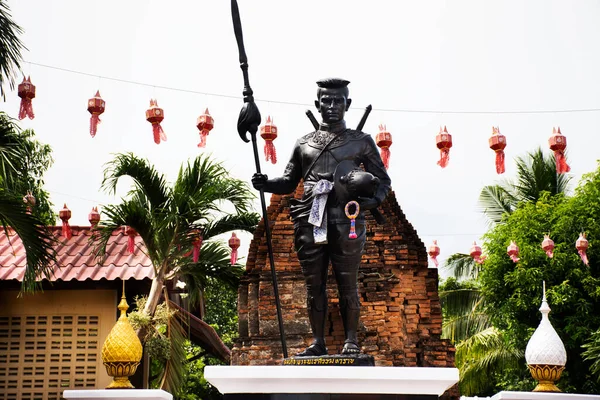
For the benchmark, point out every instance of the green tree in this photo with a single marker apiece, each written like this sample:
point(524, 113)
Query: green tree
point(513, 290)
point(23, 161)
point(10, 48)
point(536, 173)
point(169, 219)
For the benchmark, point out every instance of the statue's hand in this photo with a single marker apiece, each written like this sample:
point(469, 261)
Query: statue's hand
point(259, 181)
point(367, 203)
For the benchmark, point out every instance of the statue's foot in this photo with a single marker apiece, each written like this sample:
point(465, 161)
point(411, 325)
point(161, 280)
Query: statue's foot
point(350, 348)
point(315, 349)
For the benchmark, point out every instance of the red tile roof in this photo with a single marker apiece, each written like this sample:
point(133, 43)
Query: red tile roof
point(76, 260)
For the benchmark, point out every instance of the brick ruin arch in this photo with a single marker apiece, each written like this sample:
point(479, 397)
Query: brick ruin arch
point(401, 316)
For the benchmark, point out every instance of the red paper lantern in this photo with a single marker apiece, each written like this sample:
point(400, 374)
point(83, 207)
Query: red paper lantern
point(444, 143)
point(26, 91)
point(94, 217)
point(476, 252)
point(65, 216)
point(29, 201)
point(582, 245)
point(234, 243)
point(513, 251)
point(384, 141)
point(96, 107)
point(131, 233)
point(155, 115)
point(205, 124)
point(434, 251)
point(269, 133)
point(196, 246)
point(548, 246)
point(558, 144)
point(498, 143)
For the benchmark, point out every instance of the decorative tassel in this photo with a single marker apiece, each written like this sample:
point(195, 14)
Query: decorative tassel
point(270, 152)
point(131, 233)
point(385, 157)
point(434, 251)
point(500, 169)
point(94, 121)
point(561, 163)
point(444, 143)
point(96, 107)
point(158, 133)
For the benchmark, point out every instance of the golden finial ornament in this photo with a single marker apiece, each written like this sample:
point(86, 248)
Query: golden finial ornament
point(122, 350)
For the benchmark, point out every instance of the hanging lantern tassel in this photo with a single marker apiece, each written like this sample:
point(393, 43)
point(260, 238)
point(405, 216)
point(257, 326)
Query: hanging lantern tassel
point(196, 246)
point(205, 123)
point(26, 91)
point(444, 143)
point(234, 243)
point(513, 251)
point(384, 141)
point(65, 216)
point(131, 233)
point(582, 244)
point(498, 144)
point(548, 246)
point(269, 133)
point(155, 115)
point(558, 144)
point(96, 107)
point(434, 251)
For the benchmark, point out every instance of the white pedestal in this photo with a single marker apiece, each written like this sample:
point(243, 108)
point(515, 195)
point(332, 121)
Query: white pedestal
point(118, 394)
point(543, 396)
point(331, 379)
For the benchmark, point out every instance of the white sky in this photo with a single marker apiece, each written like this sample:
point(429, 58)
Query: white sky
point(426, 55)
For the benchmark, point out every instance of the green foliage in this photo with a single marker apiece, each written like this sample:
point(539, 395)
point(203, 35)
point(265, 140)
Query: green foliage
point(512, 290)
point(536, 173)
point(10, 48)
point(23, 161)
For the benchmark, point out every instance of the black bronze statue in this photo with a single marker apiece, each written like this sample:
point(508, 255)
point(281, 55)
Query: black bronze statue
point(321, 223)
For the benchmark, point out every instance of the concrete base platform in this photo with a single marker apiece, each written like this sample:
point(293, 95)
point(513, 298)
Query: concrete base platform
point(330, 382)
point(117, 394)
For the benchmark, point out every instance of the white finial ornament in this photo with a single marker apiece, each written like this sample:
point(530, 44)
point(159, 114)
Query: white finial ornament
point(545, 353)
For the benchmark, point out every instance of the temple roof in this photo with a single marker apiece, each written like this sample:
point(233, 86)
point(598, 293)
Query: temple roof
point(76, 259)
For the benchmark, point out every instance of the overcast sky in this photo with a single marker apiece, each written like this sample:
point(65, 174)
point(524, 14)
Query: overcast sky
point(441, 56)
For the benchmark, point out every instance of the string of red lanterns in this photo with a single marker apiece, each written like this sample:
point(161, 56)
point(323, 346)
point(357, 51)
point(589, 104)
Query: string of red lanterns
point(205, 123)
point(512, 250)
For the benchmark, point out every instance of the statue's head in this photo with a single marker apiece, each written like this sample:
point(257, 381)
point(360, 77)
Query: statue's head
point(332, 99)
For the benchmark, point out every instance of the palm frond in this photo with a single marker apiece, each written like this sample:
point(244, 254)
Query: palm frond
point(214, 263)
point(463, 313)
point(239, 222)
point(10, 49)
point(462, 266)
point(495, 201)
point(479, 356)
point(145, 177)
point(37, 240)
point(174, 372)
point(536, 173)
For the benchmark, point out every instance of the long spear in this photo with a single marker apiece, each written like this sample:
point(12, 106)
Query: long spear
point(248, 121)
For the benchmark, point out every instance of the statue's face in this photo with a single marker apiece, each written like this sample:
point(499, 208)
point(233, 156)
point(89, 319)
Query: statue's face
point(332, 104)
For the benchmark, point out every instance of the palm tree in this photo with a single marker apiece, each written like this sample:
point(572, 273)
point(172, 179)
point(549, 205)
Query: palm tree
point(170, 219)
point(10, 48)
point(536, 173)
point(37, 240)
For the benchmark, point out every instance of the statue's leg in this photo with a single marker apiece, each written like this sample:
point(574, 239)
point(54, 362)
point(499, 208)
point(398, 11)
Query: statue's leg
point(345, 258)
point(314, 262)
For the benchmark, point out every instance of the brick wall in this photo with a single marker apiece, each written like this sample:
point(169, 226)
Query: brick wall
point(401, 317)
